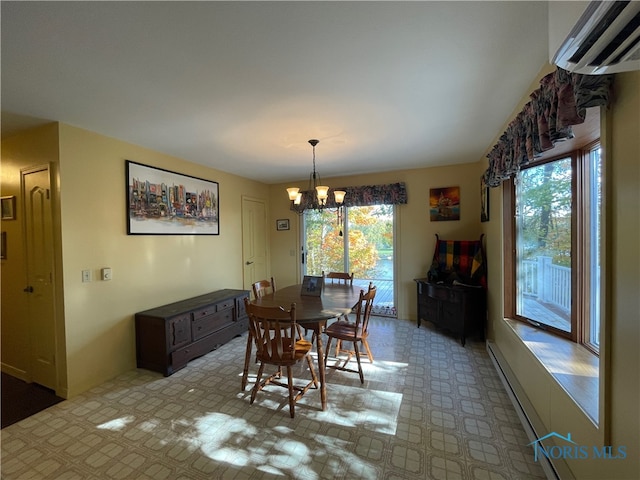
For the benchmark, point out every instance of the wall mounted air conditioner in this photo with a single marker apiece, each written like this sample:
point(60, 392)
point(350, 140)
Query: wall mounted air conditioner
point(595, 37)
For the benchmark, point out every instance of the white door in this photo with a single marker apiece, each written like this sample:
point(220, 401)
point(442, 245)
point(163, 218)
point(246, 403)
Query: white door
point(38, 228)
point(254, 241)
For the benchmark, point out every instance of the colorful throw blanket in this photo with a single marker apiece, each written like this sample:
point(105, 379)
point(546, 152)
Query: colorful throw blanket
point(464, 258)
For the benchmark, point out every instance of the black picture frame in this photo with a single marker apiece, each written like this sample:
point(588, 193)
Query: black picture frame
point(282, 224)
point(312, 286)
point(162, 202)
point(484, 201)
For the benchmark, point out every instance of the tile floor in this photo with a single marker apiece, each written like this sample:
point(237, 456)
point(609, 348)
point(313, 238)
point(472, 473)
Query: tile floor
point(429, 409)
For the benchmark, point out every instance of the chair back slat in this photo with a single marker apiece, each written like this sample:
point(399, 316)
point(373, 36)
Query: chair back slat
point(364, 307)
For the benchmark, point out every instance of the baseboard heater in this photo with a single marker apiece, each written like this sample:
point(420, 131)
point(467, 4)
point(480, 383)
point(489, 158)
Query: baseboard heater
point(506, 377)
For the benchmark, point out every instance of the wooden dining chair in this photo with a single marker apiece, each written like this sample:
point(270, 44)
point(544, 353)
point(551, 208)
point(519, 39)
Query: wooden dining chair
point(356, 332)
point(343, 278)
point(345, 317)
point(339, 277)
point(263, 287)
point(274, 333)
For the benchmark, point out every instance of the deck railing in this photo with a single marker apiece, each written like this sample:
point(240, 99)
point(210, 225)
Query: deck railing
point(547, 282)
point(383, 303)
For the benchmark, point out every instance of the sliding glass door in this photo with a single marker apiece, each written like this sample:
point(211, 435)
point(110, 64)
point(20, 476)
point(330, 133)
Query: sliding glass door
point(362, 243)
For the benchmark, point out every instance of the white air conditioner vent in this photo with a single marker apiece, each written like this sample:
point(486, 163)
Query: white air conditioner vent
point(605, 39)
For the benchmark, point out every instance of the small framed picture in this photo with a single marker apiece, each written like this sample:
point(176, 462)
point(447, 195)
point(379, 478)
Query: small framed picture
point(312, 286)
point(444, 204)
point(8, 207)
point(282, 224)
point(3, 246)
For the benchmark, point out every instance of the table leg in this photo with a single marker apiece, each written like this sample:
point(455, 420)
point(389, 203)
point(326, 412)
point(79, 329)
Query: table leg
point(320, 350)
point(247, 359)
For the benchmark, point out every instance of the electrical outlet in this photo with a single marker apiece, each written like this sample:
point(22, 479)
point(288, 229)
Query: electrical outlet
point(86, 276)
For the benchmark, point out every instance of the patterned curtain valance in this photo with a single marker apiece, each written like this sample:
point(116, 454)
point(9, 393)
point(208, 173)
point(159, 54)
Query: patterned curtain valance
point(559, 103)
point(391, 194)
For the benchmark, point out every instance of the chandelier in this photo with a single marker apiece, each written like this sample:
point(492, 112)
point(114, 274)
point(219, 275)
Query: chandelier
point(319, 200)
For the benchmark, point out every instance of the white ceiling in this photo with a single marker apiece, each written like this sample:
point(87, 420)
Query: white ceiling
point(241, 86)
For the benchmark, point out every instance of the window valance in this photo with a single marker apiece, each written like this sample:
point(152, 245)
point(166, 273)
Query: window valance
point(560, 102)
point(390, 194)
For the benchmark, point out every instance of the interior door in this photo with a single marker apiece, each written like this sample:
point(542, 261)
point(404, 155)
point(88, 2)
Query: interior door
point(38, 228)
point(254, 241)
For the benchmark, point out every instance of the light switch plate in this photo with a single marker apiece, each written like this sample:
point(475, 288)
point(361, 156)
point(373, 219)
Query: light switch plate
point(106, 274)
point(86, 276)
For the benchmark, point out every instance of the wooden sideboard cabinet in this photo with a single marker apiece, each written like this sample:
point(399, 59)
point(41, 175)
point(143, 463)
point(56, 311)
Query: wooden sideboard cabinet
point(168, 337)
point(460, 309)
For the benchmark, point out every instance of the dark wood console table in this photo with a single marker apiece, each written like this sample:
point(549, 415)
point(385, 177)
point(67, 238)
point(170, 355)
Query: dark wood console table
point(460, 309)
point(168, 337)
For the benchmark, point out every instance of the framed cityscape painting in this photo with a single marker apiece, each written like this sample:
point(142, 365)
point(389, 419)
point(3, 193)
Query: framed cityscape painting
point(162, 202)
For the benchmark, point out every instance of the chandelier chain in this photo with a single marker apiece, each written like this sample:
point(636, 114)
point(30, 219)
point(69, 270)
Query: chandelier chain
point(316, 177)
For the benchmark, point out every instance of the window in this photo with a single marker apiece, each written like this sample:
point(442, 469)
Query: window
point(554, 210)
point(593, 228)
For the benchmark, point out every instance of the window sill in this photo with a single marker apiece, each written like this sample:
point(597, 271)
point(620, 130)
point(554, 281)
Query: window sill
point(573, 367)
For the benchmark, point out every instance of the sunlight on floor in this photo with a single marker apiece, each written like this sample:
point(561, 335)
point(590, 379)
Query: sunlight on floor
point(117, 423)
point(230, 440)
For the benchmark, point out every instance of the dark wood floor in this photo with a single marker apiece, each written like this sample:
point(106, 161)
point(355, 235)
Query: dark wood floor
point(21, 399)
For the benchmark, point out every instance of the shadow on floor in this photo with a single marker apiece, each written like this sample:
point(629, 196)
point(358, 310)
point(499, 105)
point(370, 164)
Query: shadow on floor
point(21, 399)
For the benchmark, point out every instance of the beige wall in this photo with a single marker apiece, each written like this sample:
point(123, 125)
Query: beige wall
point(415, 233)
point(147, 270)
point(620, 360)
point(624, 248)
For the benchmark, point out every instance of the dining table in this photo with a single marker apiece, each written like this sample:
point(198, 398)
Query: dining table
point(312, 313)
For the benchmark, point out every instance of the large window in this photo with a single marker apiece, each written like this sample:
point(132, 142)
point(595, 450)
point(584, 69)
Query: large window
point(555, 215)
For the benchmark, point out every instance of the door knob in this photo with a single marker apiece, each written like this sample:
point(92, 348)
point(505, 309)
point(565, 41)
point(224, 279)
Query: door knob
point(249, 263)
point(29, 289)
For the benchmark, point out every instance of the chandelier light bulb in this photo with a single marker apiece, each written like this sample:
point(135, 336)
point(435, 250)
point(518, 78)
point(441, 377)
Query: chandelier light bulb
point(293, 192)
point(323, 192)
